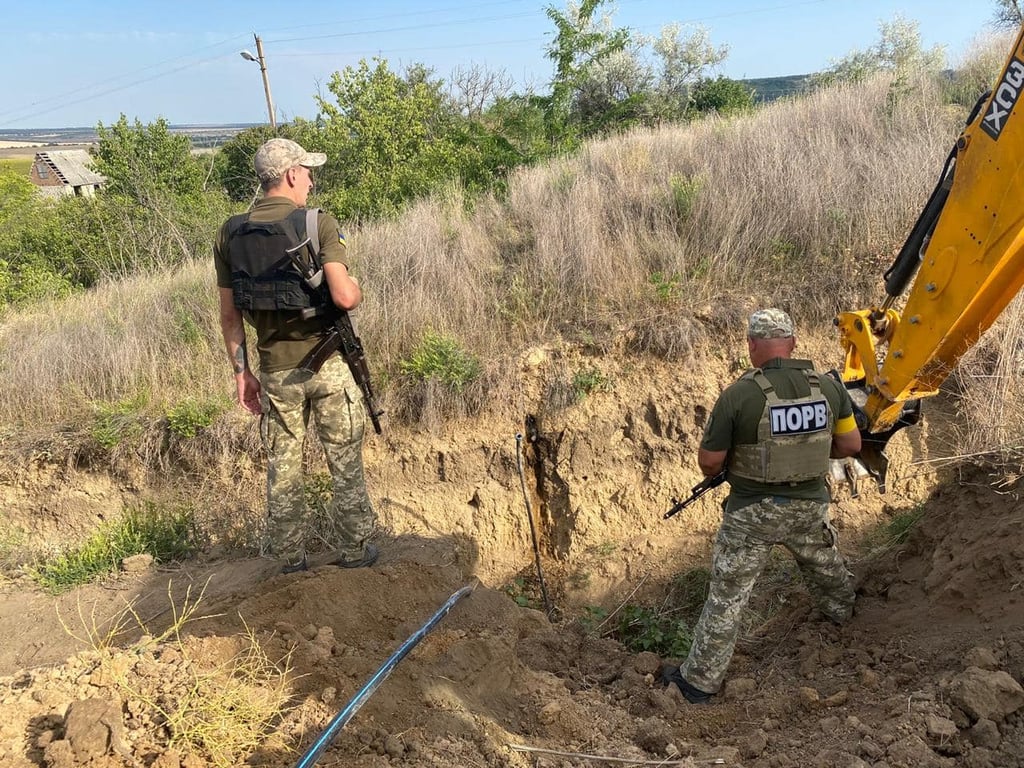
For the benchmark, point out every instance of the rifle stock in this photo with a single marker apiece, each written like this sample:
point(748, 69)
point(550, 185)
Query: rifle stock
point(696, 492)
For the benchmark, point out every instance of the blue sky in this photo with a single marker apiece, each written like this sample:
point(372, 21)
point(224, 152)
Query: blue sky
point(74, 63)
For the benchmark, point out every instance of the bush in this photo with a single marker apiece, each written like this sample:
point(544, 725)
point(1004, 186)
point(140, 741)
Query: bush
point(187, 417)
point(441, 358)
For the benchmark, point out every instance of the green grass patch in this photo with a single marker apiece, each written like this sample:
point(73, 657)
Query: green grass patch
point(19, 165)
point(115, 423)
point(890, 533)
point(442, 358)
point(685, 190)
point(187, 417)
point(165, 534)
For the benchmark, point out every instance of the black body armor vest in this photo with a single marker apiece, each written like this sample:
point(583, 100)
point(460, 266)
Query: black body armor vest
point(262, 274)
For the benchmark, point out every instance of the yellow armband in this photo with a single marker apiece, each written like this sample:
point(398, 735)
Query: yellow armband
point(844, 425)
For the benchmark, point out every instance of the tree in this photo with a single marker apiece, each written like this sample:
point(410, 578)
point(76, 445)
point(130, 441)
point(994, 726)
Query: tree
point(684, 61)
point(473, 89)
point(1009, 14)
point(390, 139)
point(140, 161)
point(614, 92)
point(580, 43)
point(898, 51)
point(233, 163)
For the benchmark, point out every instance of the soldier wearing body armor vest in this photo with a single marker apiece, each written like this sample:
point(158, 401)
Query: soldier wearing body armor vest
point(257, 282)
point(773, 431)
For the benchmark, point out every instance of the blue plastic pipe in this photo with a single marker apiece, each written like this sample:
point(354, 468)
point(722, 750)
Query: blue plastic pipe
point(317, 747)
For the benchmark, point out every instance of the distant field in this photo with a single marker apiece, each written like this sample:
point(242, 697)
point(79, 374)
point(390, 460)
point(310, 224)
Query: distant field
point(16, 164)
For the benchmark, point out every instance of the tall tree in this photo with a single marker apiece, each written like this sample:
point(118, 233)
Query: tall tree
point(898, 50)
point(684, 60)
point(580, 42)
point(390, 139)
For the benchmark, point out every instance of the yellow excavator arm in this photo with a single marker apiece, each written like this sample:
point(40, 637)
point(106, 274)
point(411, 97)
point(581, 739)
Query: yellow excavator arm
point(967, 250)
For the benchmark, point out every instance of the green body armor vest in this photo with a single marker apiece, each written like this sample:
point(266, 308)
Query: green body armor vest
point(262, 274)
point(794, 437)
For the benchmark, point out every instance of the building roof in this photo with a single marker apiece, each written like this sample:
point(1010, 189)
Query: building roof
point(72, 166)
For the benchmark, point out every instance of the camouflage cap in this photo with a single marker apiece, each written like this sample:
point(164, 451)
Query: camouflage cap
point(769, 324)
point(278, 155)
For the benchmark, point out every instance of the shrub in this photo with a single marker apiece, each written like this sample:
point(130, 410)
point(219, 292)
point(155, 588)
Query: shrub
point(441, 358)
point(588, 381)
point(187, 417)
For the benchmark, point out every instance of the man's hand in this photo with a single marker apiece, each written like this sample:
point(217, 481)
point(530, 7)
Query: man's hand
point(249, 392)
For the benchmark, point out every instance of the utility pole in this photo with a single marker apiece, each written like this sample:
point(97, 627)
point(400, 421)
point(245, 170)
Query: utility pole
point(263, 70)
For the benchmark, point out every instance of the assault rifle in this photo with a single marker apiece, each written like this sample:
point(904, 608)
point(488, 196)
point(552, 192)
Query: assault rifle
point(340, 336)
point(696, 492)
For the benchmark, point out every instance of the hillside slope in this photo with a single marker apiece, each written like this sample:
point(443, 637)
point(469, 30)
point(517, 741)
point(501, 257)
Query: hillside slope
point(926, 674)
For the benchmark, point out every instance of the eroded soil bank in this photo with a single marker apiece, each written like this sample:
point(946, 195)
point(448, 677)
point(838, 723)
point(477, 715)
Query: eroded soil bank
point(927, 672)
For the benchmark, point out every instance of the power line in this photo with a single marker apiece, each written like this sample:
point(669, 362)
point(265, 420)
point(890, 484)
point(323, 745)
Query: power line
point(60, 97)
point(403, 29)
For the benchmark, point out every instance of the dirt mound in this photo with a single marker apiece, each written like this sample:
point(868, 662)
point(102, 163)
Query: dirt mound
point(926, 674)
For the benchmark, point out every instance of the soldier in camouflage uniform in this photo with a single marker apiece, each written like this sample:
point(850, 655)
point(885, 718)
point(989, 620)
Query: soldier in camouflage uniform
point(775, 428)
point(253, 273)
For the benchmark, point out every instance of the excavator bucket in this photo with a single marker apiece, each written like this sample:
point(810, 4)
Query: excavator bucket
point(872, 457)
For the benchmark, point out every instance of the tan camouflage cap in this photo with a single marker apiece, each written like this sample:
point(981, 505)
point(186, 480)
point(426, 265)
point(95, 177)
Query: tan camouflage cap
point(278, 155)
point(770, 324)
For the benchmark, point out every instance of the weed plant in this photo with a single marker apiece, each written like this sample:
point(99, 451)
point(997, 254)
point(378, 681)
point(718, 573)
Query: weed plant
point(224, 712)
point(165, 534)
point(889, 534)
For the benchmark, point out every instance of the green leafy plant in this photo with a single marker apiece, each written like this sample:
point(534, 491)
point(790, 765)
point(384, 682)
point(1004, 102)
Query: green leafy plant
point(443, 359)
point(640, 628)
point(166, 534)
point(592, 618)
point(588, 381)
point(667, 286)
point(521, 591)
point(188, 416)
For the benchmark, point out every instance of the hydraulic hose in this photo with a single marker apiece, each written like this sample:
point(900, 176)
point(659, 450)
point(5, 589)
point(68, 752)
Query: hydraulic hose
point(317, 748)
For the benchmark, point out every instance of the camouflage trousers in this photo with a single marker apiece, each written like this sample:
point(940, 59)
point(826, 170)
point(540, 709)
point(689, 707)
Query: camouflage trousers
point(741, 552)
point(336, 403)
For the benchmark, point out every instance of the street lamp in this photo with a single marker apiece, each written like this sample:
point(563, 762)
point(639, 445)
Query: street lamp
point(263, 69)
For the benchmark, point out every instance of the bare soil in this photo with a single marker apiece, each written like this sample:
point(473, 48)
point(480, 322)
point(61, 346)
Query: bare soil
point(927, 673)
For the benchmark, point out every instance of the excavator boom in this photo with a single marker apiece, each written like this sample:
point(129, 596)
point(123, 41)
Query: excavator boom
point(967, 250)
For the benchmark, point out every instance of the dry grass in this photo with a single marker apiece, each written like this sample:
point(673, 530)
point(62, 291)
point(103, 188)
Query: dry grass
point(223, 710)
point(664, 239)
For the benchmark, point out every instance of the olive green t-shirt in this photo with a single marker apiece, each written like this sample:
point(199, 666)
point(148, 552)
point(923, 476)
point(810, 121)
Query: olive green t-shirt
point(737, 414)
point(282, 338)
